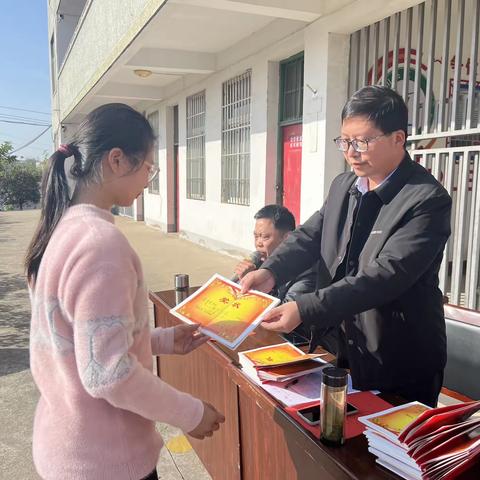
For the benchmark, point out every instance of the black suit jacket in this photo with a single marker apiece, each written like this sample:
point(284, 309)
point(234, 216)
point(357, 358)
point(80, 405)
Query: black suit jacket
point(392, 308)
point(303, 283)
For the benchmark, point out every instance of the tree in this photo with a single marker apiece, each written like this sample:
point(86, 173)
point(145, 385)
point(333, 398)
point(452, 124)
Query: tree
point(6, 158)
point(19, 182)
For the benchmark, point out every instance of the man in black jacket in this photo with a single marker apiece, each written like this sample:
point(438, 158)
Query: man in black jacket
point(380, 236)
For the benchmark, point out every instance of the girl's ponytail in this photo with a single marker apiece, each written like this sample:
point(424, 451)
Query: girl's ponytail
point(55, 200)
point(113, 125)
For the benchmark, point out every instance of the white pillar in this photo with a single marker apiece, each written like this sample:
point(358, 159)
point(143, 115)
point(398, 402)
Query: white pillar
point(272, 141)
point(325, 93)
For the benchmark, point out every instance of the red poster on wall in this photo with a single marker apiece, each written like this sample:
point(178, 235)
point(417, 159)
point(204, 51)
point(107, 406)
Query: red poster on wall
point(292, 168)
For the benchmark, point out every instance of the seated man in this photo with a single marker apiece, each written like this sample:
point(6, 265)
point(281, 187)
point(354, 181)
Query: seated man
point(273, 223)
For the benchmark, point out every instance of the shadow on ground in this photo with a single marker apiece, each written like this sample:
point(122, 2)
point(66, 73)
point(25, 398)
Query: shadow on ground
point(14, 324)
point(4, 228)
point(13, 360)
point(10, 283)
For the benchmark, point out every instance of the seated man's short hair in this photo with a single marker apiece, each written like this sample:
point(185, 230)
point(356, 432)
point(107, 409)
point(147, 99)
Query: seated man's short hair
point(281, 217)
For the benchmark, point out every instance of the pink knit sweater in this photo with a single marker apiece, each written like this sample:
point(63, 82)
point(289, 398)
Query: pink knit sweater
point(91, 357)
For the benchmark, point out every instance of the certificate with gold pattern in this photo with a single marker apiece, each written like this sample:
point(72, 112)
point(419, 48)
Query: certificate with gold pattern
point(391, 422)
point(223, 312)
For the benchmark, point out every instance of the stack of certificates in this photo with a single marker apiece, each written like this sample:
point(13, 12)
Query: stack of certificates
point(281, 363)
point(422, 443)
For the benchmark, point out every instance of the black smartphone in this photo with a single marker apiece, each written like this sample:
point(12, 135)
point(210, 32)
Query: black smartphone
point(312, 414)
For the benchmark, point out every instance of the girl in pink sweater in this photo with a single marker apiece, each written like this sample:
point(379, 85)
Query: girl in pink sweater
point(91, 345)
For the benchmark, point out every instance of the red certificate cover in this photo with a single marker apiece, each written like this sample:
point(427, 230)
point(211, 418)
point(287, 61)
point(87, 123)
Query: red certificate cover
point(433, 419)
point(424, 443)
point(465, 443)
point(392, 422)
point(432, 440)
point(277, 374)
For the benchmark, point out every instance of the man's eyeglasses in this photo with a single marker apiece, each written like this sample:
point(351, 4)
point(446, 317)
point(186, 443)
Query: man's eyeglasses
point(152, 171)
point(359, 145)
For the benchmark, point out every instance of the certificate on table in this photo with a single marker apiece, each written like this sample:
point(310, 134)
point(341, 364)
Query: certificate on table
point(224, 313)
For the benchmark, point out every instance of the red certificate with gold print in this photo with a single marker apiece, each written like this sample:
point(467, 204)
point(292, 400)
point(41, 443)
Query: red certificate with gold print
point(223, 312)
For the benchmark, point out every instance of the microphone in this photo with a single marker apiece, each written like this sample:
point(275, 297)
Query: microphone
point(256, 258)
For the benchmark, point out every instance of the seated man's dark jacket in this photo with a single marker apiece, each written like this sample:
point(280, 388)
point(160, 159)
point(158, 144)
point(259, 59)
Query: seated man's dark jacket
point(303, 283)
point(390, 307)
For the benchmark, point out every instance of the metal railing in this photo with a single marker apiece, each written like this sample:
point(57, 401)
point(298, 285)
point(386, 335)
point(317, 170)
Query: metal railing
point(419, 57)
point(458, 169)
point(429, 54)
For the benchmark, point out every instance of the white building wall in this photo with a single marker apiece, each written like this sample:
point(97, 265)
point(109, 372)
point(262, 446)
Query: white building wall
point(211, 222)
point(222, 225)
point(229, 227)
point(326, 71)
point(104, 35)
point(155, 205)
point(272, 149)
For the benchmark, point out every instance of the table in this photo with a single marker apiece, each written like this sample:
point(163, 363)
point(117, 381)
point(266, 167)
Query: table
point(258, 440)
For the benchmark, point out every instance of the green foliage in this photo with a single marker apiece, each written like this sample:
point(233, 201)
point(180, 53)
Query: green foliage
point(6, 158)
point(19, 181)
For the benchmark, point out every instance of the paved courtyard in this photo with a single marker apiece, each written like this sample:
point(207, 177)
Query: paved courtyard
point(162, 256)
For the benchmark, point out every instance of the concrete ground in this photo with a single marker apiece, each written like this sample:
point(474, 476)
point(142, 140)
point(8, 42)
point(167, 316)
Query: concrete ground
point(162, 256)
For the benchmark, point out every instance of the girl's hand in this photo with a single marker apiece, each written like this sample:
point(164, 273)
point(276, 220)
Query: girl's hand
point(187, 338)
point(210, 422)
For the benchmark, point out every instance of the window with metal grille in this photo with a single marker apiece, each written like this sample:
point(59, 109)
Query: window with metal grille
point(291, 90)
point(236, 139)
point(154, 185)
point(196, 146)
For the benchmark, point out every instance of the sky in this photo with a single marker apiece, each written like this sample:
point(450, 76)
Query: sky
point(25, 75)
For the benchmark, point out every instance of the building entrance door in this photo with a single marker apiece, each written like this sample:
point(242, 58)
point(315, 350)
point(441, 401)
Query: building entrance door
point(292, 168)
point(289, 169)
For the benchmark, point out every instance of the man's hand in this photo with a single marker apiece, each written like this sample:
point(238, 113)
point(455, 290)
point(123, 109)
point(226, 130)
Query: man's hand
point(210, 422)
point(244, 267)
point(284, 318)
point(259, 280)
point(187, 338)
